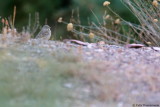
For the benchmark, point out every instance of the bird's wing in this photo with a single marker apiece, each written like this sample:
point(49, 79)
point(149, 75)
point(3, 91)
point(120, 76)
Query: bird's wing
point(39, 35)
point(42, 34)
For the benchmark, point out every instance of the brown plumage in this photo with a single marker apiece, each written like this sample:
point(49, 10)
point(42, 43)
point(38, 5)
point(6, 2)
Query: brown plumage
point(45, 33)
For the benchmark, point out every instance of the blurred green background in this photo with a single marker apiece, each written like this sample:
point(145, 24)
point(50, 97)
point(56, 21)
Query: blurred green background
point(50, 10)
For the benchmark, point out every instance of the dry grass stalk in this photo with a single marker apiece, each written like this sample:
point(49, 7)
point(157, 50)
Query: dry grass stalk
point(118, 31)
point(14, 16)
point(148, 13)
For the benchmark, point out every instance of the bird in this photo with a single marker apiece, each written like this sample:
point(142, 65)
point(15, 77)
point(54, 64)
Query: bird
point(45, 33)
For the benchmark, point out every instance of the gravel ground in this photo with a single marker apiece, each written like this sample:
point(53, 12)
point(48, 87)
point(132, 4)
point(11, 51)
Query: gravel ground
point(119, 57)
point(134, 73)
point(137, 69)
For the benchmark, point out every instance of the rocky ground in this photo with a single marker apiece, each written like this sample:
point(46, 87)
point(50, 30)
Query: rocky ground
point(103, 75)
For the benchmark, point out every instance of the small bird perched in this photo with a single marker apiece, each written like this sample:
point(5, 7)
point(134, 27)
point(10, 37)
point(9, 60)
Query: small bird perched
point(45, 33)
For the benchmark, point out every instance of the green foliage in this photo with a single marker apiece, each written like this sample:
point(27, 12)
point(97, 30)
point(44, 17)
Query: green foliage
point(97, 7)
point(48, 9)
point(52, 9)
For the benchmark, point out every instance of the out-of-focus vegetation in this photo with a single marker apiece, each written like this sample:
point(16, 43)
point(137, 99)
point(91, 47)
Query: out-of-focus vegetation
point(85, 13)
point(115, 29)
point(50, 10)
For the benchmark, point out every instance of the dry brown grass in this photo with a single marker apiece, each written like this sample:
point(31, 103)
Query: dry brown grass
point(114, 30)
point(148, 14)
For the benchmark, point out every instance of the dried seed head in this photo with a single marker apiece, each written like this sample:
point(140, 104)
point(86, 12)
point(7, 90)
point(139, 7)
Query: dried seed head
point(6, 22)
point(117, 21)
point(155, 20)
point(91, 35)
point(106, 3)
point(3, 20)
point(107, 17)
point(155, 3)
point(69, 27)
point(149, 43)
point(4, 30)
point(60, 20)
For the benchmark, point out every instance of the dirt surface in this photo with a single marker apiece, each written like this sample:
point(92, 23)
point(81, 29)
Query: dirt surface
point(136, 71)
point(119, 58)
point(113, 76)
